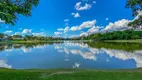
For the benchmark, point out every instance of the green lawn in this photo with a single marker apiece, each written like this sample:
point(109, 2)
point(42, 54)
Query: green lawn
point(70, 74)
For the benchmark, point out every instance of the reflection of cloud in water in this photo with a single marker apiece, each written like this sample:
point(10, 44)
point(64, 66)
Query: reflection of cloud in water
point(123, 55)
point(92, 52)
point(8, 50)
point(26, 50)
point(76, 65)
point(40, 47)
point(85, 55)
point(3, 64)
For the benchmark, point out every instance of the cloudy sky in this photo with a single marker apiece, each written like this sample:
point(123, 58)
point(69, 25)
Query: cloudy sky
point(70, 18)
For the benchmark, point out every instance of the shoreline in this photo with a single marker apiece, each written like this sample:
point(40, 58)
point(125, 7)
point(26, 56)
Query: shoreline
point(43, 41)
point(70, 74)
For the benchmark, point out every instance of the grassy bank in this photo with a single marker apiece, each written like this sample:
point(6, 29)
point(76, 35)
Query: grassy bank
point(70, 74)
point(129, 41)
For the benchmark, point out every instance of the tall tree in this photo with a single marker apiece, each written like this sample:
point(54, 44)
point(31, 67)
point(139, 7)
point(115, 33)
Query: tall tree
point(135, 5)
point(9, 9)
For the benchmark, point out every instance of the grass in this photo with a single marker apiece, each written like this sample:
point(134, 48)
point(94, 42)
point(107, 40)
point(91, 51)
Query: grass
point(70, 74)
point(131, 41)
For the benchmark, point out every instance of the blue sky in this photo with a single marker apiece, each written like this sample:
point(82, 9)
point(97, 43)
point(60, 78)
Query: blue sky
point(72, 18)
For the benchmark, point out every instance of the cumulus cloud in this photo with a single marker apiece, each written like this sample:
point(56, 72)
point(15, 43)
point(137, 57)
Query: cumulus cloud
point(17, 33)
point(75, 15)
point(93, 30)
point(60, 29)
point(65, 30)
point(57, 33)
point(8, 32)
point(85, 7)
point(84, 34)
point(26, 31)
point(117, 26)
point(39, 34)
point(87, 24)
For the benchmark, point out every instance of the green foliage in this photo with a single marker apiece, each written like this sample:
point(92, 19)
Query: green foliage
point(116, 35)
point(129, 47)
point(135, 5)
point(9, 9)
point(136, 23)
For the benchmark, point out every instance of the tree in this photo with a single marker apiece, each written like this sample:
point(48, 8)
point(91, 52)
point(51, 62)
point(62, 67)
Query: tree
point(9, 9)
point(135, 5)
point(136, 23)
point(17, 36)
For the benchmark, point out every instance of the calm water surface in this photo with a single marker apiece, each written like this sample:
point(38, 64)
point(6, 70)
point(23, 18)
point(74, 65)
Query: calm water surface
point(89, 55)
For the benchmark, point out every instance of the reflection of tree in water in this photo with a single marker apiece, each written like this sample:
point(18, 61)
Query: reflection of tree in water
point(90, 53)
point(17, 46)
point(4, 47)
point(130, 47)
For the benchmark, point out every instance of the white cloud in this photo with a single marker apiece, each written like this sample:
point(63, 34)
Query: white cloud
point(66, 20)
point(93, 30)
point(85, 7)
point(84, 34)
point(39, 34)
point(76, 15)
point(26, 31)
point(107, 19)
point(94, 2)
point(17, 33)
point(8, 32)
point(74, 28)
point(87, 24)
point(57, 33)
point(117, 26)
point(60, 29)
point(66, 29)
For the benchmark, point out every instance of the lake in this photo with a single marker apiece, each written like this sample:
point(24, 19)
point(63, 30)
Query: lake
point(82, 55)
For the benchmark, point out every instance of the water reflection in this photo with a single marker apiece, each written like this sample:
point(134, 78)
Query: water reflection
point(71, 55)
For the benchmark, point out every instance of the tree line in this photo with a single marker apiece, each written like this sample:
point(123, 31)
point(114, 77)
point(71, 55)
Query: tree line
point(115, 35)
point(27, 37)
